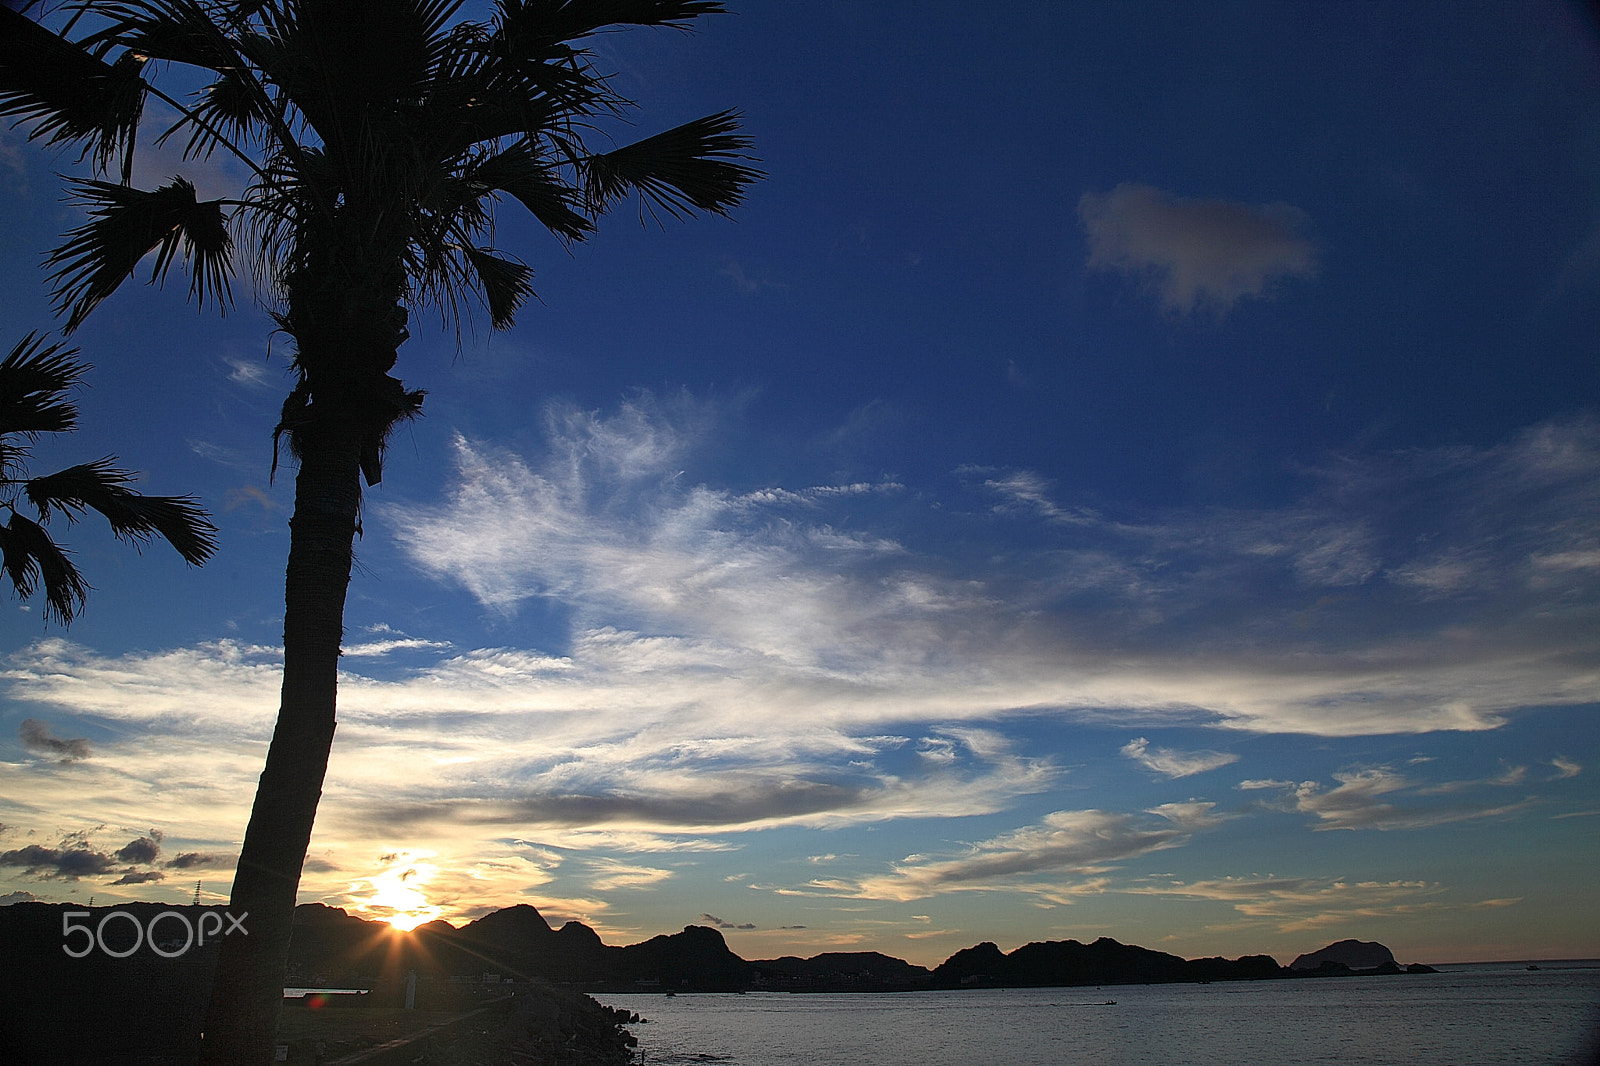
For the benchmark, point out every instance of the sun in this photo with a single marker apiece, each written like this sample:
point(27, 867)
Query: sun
point(396, 895)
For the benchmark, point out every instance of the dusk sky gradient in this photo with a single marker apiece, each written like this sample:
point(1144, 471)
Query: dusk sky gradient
point(1131, 469)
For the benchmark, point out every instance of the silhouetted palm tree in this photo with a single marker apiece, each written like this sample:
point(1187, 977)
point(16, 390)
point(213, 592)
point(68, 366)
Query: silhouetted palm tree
point(381, 134)
point(35, 379)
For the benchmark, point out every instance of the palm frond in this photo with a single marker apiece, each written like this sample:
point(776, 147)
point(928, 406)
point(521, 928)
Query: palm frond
point(133, 517)
point(519, 173)
point(461, 54)
point(387, 408)
point(203, 35)
point(238, 12)
point(125, 225)
point(531, 56)
point(435, 16)
point(691, 166)
point(351, 63)
point(532, 27)
point(228, 111)
point(29, 558)
point(72, 95)
point(504, 282)
point(485, 109)
point(288, 193)
point(33, 379)
point(179, 31)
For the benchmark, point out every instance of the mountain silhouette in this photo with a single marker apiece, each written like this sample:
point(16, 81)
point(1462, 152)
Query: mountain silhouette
point(123, 984)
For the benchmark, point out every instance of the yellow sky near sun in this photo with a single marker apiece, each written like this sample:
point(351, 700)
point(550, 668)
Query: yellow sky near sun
point(395, 895)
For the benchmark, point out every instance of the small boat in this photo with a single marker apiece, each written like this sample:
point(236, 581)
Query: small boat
point(1531, 966)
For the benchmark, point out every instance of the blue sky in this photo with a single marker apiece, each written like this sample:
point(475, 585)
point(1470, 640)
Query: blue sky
point(1129, 470)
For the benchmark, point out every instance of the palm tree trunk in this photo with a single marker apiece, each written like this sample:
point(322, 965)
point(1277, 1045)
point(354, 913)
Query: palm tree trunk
point(247, 995)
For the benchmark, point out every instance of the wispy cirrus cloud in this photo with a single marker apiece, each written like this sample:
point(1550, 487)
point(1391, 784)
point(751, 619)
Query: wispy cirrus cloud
point(1379, 798)
point(749, 658)
point(252, 373)
point(1170, 763)
point(1196, 252)
point(1207, 609)
point(1300, 904)
point(608, 875)
point(1082, 843)
point(631, 841)
point(1565, 768)
point(376, 648)
point(501, 747)
point(736, 785)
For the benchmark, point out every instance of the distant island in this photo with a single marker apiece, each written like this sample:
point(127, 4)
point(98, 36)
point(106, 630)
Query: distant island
point(1347, 955)
point(332, 948)
point(331, 945)
point(52, 981)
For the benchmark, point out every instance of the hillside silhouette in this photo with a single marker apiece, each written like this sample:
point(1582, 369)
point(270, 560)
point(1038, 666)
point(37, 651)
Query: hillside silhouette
point(334, 949)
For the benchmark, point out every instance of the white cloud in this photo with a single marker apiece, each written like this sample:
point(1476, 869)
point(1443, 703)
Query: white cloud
point(1380, 798)
point(1197, 252)
point(746, 659)
point(746, 600)
point(608, 875)
point(375, 648)
point(1066, 842)
point(154, 687)
point(630, 841)
point(1588, 559)
point(1445, 573)
point(252, 373)
point(1170, 763)
point(1297, 904)
point(499, 747)
point(1189, 815)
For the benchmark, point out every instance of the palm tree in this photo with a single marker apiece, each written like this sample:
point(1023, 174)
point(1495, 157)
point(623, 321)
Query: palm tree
point(382, 135)
point(34, 381)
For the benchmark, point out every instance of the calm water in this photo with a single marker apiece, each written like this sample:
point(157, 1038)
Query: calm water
point(1478, 1016)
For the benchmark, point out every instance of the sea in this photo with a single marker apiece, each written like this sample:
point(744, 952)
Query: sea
point(1492, 1014)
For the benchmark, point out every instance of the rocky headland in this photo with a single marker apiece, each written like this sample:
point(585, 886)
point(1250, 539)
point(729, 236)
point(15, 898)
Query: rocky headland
point(1353, 957)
